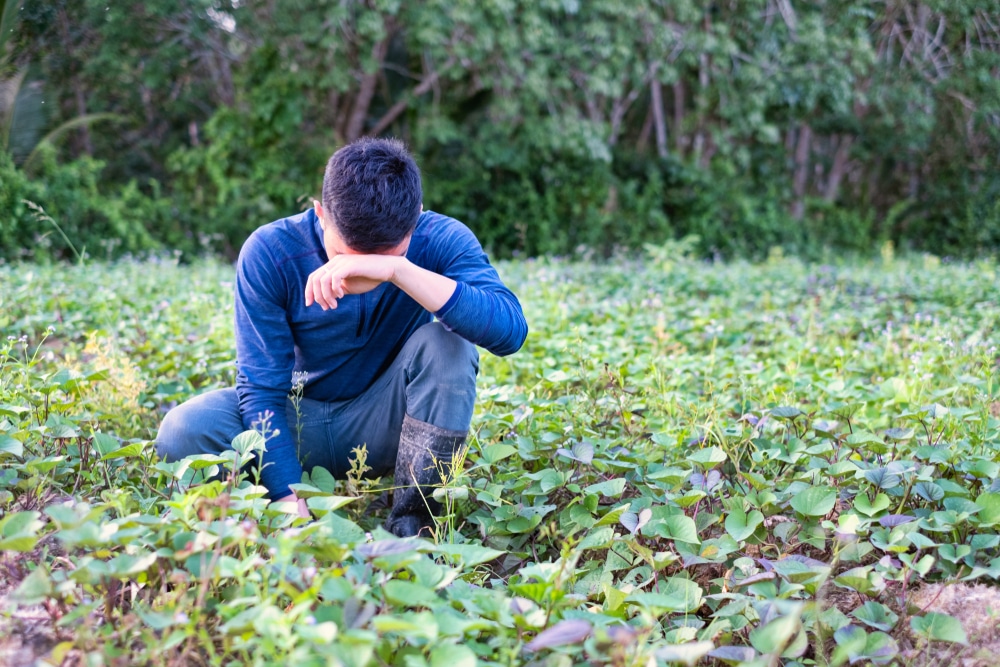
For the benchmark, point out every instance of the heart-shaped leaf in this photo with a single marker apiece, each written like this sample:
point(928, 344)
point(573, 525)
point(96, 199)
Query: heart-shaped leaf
point(939, 627)
point(815, 501)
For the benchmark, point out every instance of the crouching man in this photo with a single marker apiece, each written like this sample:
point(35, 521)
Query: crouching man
point(378, 305)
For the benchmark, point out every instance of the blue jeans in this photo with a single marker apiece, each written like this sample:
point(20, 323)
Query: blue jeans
point(433, 379)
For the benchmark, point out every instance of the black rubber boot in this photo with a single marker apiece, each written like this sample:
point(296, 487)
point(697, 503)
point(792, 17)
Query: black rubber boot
point(423, 463)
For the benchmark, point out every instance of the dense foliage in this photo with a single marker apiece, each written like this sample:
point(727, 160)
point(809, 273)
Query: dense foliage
point(544, 125)
point(727, 462)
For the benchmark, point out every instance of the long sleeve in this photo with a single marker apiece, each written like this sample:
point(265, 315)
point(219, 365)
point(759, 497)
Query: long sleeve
point(265, 359)
point(482, 309)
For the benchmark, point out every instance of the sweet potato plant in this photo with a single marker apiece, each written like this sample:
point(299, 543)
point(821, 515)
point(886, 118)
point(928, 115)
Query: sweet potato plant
point(688, 462)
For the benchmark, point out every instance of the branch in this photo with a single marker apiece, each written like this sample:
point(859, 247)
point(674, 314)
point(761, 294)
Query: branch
point(399, 107)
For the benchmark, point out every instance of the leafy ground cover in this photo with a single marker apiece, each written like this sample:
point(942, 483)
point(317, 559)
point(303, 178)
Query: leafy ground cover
point(688, 463)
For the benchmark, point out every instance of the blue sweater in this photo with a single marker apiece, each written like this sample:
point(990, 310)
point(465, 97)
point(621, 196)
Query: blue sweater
point(343, 350)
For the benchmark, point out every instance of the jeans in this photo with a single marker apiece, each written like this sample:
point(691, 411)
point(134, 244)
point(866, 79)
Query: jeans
point(433, 379)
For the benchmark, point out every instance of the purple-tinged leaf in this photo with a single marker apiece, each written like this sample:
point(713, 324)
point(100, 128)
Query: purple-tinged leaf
point(806, 560)
point(563, 633)
point(733, 654)
point(386, 548)
point(893, 520)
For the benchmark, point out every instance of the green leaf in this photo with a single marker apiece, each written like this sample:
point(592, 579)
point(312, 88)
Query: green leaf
point(786, 412)
point(677, 595)
point(410, 594)
point(62, 431)
point(883, 478)
point(323, 480)
point(20, 531)
point(928, 491)
point(815, 501)
point(708, 457)
point(34, 589)
point(198, 461)
point(128, 451)
point(453, 655)
point(321, 505)
point(870, 508)
point(611, 488)
point(306, 491)
point(343, 530)
point(776, 635)
point(11, 446)
point(876, 648)
point(937, 627)
point(989, 514)
point(496, 453)
point(15, 411)
point(249, 441)
point(859, 439)
point(105, 443)
point(876, 615)
point(677, 527)
point(600, 538)
point(612, 516)
point(856, 579)
point(468, 555)
point(741, 525)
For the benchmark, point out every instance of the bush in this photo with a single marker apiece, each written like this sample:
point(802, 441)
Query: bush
point(89, 220)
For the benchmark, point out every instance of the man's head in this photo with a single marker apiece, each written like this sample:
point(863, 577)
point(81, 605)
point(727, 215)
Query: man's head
point(372, 195)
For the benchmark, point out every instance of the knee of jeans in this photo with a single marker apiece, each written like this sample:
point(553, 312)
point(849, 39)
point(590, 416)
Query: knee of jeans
point(176, 439)
point(169, 436)
point(446, 351)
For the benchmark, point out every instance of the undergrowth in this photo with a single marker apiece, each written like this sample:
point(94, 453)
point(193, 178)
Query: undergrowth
point(752, 464)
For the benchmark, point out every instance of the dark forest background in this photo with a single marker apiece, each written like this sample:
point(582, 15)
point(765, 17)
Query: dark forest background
point(817, 127)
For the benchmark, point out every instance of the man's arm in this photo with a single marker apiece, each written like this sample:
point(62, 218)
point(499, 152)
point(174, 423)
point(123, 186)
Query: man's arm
point(265, 357)
point(467, 296)
point(355, 274)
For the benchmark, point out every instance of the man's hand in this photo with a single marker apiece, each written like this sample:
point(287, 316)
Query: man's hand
point(349, 274)
point(303, 510)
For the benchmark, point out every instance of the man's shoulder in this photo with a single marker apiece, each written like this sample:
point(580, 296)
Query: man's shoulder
point(437, 229)
point(284, 239)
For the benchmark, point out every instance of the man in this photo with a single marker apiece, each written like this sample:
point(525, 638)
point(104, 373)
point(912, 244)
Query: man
point(344, 296)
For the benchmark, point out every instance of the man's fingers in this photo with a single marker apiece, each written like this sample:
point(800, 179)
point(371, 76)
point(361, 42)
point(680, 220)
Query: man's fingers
point(330, 287)
point(309, 290)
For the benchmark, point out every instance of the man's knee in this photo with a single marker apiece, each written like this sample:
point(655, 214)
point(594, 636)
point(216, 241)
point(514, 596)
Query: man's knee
point(173, 434)
point(205, 424)
point(445, 351)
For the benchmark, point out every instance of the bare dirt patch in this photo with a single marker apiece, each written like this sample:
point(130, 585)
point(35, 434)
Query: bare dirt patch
point(976, 607)
point(25, 631)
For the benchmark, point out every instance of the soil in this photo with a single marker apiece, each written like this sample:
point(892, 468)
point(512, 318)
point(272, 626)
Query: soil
point(25, 632)
point(977, 607)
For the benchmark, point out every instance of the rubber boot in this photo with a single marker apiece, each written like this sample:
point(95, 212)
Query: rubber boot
point(423, 463)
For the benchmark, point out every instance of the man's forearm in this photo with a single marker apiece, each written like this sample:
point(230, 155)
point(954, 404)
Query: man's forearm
point(431, 290)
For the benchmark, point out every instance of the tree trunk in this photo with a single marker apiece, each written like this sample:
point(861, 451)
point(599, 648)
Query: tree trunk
point(801, 175)
point(647, 129)
point(366, 91)
point(679, 115)
point(838, 168)
point(81, 110)
point(658, 119)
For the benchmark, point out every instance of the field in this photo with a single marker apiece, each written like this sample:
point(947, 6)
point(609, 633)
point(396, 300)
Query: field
point(688, 462)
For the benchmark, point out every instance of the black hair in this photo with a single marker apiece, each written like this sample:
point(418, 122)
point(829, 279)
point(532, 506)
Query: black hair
point(372, 192)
